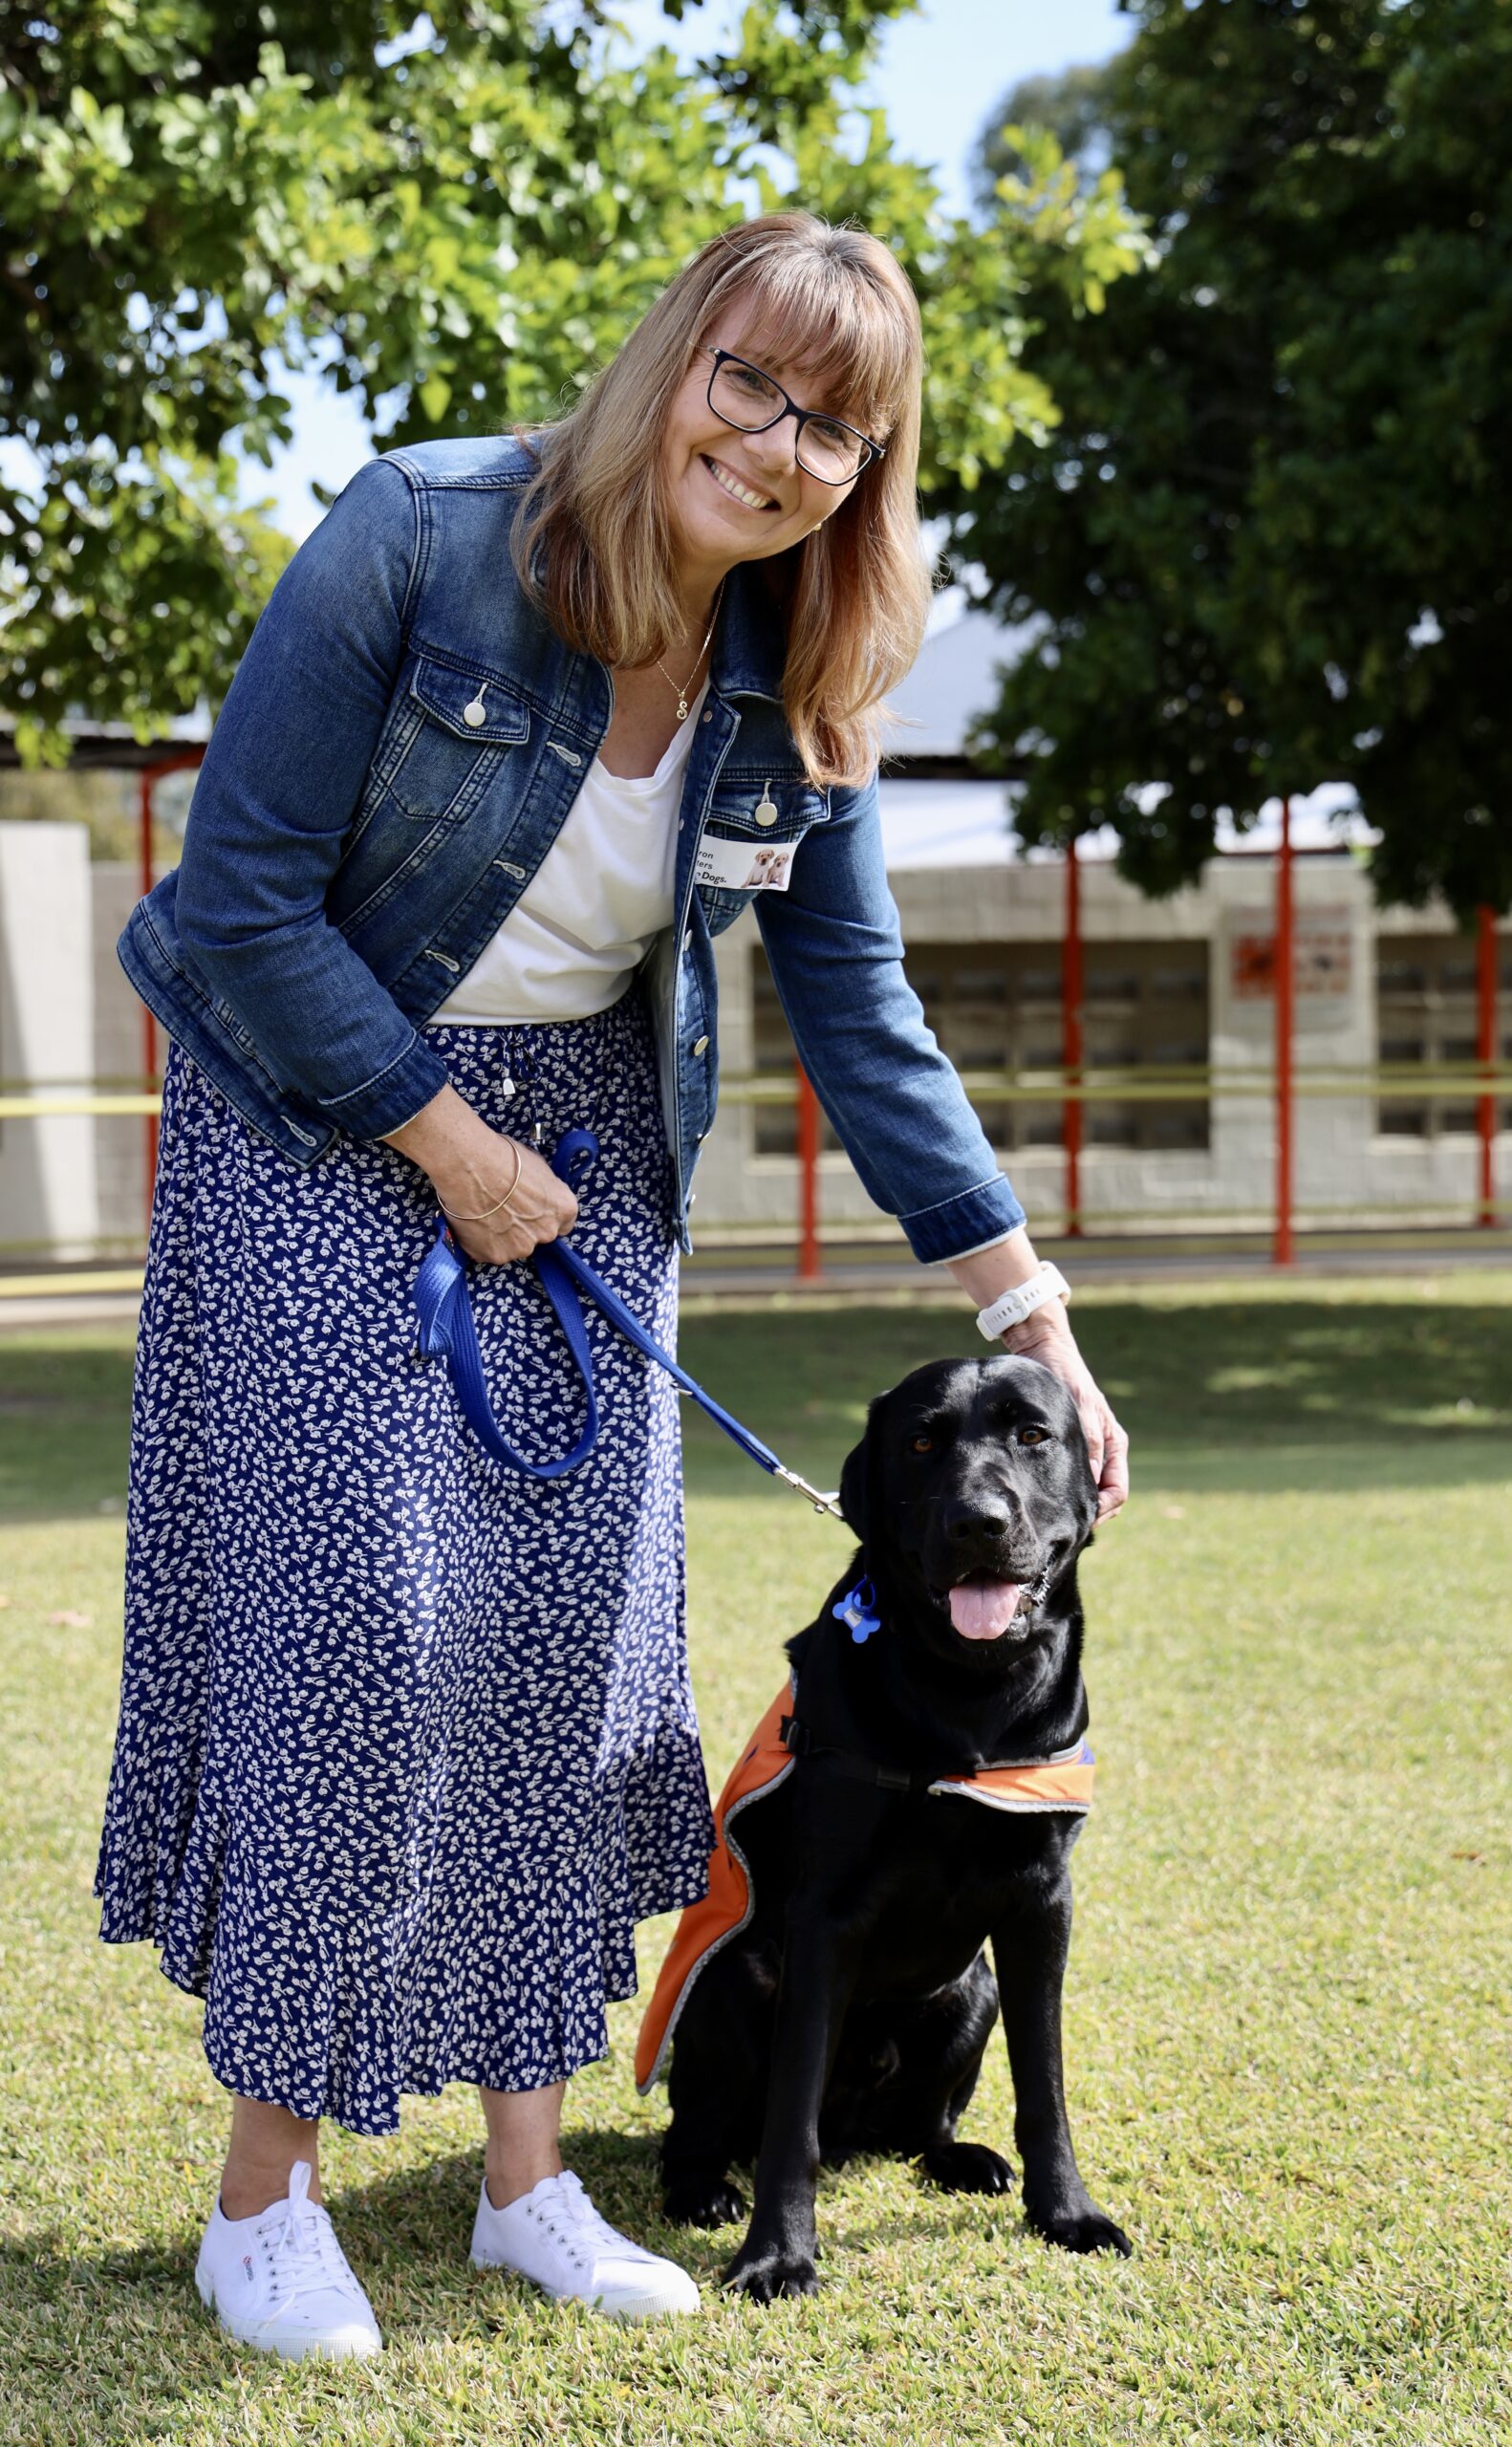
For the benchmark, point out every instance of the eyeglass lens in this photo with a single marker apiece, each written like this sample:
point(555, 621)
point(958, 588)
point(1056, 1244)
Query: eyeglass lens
point(746, 399)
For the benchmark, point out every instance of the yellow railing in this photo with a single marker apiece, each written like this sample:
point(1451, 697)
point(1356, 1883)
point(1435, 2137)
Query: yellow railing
point(1153, 1083)
point(1182, 1083)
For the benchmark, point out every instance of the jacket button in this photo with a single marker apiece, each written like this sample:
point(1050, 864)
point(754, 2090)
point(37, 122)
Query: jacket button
point(701, 1045)
point(475, 713)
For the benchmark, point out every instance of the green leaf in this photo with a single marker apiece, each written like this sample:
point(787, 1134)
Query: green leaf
point(469, 230)
point(1281, 442)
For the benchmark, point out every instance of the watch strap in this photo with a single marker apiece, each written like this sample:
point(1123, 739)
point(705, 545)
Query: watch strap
point(1011, 1308)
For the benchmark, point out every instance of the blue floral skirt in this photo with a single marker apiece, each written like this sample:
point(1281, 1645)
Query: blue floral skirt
point(407, 1744)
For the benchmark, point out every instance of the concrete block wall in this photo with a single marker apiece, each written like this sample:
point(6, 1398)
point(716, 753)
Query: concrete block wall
point(76, 1188)
point(48, 1182)
point(1344, 1167)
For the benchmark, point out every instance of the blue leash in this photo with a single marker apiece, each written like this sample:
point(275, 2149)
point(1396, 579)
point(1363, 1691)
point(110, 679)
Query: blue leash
point(448, 1332)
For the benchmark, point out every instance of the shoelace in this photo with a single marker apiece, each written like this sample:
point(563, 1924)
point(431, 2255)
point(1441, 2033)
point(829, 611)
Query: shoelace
point(300, 2246)
point(570, 2202)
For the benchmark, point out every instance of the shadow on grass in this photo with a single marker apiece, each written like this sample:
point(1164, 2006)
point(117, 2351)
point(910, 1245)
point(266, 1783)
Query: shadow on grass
point(65, 1421)
point(1310, 1394)
point(123, 2332)
point(1313, 1394)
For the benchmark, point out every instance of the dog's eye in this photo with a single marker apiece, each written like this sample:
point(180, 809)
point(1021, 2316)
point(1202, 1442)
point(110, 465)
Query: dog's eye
point(921, 1445)
point(1034, 1436)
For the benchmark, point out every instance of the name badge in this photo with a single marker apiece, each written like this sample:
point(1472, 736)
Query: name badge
point(744, 866)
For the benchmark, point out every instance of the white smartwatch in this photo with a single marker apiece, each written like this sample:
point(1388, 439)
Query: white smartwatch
point(1011, 1308)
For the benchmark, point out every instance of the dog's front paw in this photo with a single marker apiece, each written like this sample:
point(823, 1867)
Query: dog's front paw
point(1081, 2228)
point(765, 2271)
point(966, 2166)
point(703, 2200)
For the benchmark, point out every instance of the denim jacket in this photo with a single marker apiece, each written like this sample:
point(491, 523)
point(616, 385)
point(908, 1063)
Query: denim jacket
point(400, 744)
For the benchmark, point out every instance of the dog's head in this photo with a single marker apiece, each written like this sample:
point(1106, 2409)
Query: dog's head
point(969, 1487)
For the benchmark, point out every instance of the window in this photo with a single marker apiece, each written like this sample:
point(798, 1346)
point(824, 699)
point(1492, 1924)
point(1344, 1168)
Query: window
point(996, 1008)
point(1425, 1016)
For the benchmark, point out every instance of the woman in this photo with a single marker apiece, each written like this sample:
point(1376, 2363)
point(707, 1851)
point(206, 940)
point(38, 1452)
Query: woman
point(407, 1748)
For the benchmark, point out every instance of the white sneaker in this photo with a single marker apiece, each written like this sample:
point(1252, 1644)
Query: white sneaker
point(556, 2238)
point(281, 2280)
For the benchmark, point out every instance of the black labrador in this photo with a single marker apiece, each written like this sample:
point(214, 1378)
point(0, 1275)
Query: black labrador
point(853, 2010)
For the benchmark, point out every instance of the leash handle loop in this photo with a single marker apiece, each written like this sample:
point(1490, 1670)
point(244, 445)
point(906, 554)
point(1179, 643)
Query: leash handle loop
point(448, 1332)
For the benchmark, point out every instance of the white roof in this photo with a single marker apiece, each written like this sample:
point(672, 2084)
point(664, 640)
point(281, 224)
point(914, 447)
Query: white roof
point(956, 676)
point(968, 824)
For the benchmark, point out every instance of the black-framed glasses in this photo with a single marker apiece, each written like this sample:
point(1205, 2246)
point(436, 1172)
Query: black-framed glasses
point(825, 446)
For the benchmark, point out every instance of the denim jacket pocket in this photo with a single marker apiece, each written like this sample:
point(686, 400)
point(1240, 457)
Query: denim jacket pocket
point(452, 728)
point(755, 811)
point(765, 807)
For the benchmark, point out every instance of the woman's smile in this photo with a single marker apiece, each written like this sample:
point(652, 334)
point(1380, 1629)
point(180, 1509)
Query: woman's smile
point(759, 480)
point(732, 485)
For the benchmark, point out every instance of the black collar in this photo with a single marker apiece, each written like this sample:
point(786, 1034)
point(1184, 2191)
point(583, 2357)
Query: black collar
point(797, 1739)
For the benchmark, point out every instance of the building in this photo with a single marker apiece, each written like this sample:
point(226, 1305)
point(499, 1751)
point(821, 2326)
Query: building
point(1169, 987)
point(1177, 1021)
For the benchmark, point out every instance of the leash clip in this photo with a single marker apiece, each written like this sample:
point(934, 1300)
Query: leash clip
point(830, 1503)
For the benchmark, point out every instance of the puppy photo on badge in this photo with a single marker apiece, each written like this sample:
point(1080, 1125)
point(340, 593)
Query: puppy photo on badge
point(769, 867)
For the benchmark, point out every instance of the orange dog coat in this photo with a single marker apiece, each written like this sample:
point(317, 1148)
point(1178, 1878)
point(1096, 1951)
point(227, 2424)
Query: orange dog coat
point(1061, 1783)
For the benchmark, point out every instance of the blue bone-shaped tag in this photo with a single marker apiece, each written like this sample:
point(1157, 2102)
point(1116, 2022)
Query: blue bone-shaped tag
point(857, 1609)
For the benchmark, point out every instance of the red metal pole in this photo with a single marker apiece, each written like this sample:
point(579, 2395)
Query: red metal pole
point(1284, 1250)
point(1486, 1055)
point(149, 1026)
point(1072, 1042)
point(809, 1264)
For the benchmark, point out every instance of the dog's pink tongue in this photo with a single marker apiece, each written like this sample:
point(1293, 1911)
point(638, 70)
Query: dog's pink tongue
point(982, 1610)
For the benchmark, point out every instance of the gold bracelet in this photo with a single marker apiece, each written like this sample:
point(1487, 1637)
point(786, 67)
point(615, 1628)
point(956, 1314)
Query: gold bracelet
point(453, 1217)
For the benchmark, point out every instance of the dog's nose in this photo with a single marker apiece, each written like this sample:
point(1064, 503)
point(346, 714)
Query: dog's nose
point(967, 1523)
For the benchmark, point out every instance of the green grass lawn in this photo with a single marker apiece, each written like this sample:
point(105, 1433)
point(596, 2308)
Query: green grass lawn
point(1288, 2012)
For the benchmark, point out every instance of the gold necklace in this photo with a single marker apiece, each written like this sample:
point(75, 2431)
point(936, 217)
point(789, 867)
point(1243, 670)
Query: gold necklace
point(683, 692)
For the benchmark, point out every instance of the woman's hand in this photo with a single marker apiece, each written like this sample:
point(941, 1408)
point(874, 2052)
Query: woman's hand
point(471, 1167)
point(1047, 1338)
point(541, 1207)
point(1046, 1335)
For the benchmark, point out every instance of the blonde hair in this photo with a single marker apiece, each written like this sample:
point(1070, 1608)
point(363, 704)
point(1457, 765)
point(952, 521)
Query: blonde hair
point(593, 544)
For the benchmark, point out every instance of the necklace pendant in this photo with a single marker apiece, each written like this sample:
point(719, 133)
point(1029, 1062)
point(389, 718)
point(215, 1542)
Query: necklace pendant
point(682, 709)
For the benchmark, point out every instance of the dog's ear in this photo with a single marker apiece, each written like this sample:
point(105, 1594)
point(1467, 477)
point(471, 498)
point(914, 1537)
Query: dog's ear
point(1084, 1490)
point(860, 1489)
point(854, 1475)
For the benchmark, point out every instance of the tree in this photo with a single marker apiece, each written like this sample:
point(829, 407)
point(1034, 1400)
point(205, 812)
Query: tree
point(1072, 106)
point(1266, 539)
point(465, 211)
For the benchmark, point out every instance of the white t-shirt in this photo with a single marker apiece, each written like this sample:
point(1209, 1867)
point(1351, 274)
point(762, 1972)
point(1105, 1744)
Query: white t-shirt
point(594, 906)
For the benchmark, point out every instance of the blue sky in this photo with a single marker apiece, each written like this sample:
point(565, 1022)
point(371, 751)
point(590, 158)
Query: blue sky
point(942, 68)
point(940, 72)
